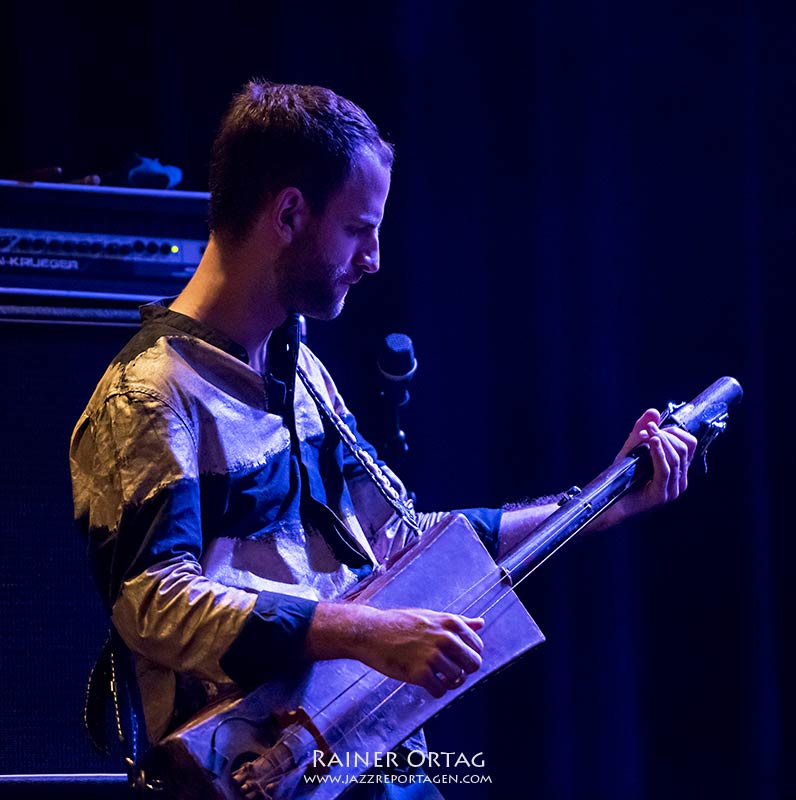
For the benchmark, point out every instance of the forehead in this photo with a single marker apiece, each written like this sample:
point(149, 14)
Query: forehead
point(365, 191)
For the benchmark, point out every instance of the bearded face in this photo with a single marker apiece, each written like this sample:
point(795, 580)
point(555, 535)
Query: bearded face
point(310, 280)
point(335, 247)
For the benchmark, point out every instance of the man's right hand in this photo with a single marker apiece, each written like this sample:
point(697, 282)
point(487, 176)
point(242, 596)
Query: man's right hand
point(427, 648)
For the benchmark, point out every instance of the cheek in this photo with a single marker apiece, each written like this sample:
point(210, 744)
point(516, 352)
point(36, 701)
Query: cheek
point(338, 248)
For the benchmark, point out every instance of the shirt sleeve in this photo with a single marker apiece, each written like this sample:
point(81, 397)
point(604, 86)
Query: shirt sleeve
point(137, 495)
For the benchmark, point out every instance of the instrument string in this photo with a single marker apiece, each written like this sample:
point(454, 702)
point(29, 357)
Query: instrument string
point(574, 518)
point(584, 509)
point(347, 732)
point(605, 490)
point(406, 512)
point(567, 522)
point(471, 607)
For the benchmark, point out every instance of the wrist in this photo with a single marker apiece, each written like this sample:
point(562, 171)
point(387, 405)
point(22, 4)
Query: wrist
point(340, 630)
point(610, 517)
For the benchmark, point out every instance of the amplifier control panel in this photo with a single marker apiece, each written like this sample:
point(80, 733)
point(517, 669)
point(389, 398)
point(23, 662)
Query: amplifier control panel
point(64, 242)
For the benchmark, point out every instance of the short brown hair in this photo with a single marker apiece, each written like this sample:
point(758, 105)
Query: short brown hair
point(277, 135)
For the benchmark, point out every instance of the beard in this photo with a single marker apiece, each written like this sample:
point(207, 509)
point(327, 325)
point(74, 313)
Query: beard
point(310, 282)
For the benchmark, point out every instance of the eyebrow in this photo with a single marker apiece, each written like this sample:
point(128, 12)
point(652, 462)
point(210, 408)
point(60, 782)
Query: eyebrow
point(367, 219)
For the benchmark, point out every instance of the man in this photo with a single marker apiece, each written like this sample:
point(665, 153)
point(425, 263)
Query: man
point(224, 515)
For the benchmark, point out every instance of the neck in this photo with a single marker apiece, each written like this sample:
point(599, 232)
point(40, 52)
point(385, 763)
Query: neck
point(233, 292)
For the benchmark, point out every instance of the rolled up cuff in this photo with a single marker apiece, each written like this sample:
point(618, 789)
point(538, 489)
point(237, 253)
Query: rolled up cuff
point(271, 642)
point(486, 522)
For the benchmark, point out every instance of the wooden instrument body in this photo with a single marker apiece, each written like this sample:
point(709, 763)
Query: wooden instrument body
point(348, 712)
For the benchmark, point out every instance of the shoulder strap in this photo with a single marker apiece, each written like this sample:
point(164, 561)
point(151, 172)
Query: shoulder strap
point(402, 507)
point(112, 692)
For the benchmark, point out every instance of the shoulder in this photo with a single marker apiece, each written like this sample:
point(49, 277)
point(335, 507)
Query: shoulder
point(137, 399)
point(174, 368)
point(312, 365)
point(321, 378)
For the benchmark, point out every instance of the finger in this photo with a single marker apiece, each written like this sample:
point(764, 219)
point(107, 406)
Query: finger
point(650, 415)
point(675, 452)
point(471, 662)
point(465, 628)
point(639, 434)
point(684, 454)
point(468, 634)
point(455, 682)
point(672, 457)
point(432, 684)
point(461, 653)
point(448, 671)
point(685, 437)
point(660, 468)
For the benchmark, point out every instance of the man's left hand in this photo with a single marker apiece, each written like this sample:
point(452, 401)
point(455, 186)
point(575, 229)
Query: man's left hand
point(671, 450)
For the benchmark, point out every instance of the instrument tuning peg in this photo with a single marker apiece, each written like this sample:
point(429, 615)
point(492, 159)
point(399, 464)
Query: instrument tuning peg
point(573, 491)
point(716, 427)
point(671, 408)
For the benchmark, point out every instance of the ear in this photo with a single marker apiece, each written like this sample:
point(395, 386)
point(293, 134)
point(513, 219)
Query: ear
point(289, 213)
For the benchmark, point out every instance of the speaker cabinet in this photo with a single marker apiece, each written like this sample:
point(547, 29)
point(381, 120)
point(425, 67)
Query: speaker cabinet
point(52, 624)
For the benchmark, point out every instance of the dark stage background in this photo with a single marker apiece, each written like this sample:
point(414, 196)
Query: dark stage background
point(592, 213)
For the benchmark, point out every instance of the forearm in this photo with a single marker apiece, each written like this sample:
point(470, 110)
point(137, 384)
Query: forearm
point(671, 451)
point(431, 649)
point(519, 522)
point(340, 630)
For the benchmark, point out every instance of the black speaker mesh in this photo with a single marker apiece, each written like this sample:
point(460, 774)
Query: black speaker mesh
point(52, 623)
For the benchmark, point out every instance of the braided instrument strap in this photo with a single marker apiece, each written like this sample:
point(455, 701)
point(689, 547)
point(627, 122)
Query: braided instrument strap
point(402, 507)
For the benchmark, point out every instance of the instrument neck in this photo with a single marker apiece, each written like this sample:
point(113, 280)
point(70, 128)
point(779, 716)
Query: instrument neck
point(578, 508)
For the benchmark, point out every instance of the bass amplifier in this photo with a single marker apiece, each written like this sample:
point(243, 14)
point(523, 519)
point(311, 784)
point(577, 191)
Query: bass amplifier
point(94, 253)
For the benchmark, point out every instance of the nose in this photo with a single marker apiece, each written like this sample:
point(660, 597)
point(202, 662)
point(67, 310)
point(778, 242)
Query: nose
point(370, 263)
point(368, 256)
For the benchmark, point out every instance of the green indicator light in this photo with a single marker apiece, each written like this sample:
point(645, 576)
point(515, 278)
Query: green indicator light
point(175, 249)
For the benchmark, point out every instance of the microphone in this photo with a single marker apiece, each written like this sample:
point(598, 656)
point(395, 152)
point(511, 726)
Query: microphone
point(397, 365)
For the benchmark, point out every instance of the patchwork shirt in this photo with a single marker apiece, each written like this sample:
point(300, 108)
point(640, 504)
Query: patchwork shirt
point(220, 506)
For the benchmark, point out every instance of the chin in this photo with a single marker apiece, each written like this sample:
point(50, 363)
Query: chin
point(327, 312)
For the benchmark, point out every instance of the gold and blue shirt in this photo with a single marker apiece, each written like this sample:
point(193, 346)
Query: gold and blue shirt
point(220, 506)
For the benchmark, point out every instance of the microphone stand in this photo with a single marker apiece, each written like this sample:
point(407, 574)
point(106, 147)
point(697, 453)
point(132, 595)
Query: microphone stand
point(397, 365)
